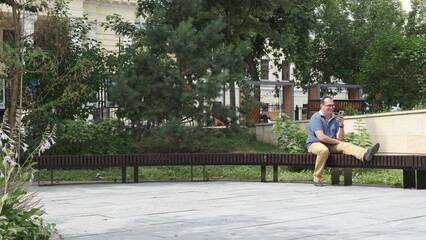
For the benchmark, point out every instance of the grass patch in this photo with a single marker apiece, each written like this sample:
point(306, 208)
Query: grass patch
point(170, 173)
point(371, 176)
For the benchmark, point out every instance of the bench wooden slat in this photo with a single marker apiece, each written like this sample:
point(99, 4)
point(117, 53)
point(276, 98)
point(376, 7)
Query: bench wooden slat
point(335, 160)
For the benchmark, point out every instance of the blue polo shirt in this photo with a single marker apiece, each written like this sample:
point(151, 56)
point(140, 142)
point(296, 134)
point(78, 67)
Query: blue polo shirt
point(318, 122)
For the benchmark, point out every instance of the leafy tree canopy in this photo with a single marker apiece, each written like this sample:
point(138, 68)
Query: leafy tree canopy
point(416, 22)
point(205, 46)
point(64, 69)
point(61, 69)
point(394, 71)
point(344, 30)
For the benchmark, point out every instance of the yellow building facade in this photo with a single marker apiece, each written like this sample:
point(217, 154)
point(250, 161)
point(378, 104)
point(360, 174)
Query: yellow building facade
point(97, 11)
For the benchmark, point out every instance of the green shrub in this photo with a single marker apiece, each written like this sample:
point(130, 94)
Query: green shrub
point(170, 137)
point(351, 111)
point(361, 137)
point(419, 106)
point(289, 135)
point(18, 223)
point(174, 137)
point(87, 137)
point(111, 137)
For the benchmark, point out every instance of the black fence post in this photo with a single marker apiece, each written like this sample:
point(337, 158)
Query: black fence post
point(296, 113)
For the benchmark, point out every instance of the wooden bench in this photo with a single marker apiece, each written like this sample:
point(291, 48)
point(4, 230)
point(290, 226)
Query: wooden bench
point(413, 166)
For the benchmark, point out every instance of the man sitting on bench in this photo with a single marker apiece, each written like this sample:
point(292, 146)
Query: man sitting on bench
point(263, 117)
point(325, 136)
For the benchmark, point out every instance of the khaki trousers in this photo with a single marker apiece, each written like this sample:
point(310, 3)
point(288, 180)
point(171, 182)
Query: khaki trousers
point(323, 151)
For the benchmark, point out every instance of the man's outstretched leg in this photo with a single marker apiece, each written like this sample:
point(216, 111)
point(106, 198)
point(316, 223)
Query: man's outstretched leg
point(363, 154)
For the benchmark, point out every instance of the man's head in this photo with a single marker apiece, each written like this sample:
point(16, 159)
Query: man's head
point(327, 105)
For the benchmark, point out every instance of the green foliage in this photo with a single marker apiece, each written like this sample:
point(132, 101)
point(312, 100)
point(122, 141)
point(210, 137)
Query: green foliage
point(174, 137)
point(351, 111)
point(393, 72)
point(419, 106)
point(188, 52)
point(272, 28)
point(86, 137)
point(12, 51)
point(18, 223)
point(344, 30)
point(111, 137)
point(289, 135)
point(416, 20)
point(361, 137)
point(177, 65)
point(18, 218)
point(374, 44)
point(170, 137)
point(64, 69)
point(383, 176)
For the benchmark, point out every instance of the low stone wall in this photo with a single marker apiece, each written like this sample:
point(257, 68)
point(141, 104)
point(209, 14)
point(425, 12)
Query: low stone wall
point(397, 132)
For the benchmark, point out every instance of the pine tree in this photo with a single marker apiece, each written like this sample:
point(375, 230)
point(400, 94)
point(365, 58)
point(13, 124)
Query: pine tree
point(178, 64)
point(201, 45)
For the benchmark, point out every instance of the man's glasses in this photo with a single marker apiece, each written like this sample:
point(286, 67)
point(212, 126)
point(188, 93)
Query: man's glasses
point(329, 105)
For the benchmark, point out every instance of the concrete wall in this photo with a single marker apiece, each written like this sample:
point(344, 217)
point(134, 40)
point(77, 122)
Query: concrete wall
point(397, 132)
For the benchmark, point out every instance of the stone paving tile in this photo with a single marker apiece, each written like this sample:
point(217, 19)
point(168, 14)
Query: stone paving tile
point(233, 210)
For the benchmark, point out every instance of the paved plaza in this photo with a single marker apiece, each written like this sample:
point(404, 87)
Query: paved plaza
point(233, 210)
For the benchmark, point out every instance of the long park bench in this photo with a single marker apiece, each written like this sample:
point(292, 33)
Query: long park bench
point(413, 166)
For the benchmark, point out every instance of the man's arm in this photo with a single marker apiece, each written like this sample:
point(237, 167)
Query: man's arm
point(326, 139)
point(341, 134)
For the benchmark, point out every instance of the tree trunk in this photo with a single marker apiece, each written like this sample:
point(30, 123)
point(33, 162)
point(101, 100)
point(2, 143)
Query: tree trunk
point(252, 70)
point(229, 37)
point(16, 76)
point(232, 101)
point(14, 94)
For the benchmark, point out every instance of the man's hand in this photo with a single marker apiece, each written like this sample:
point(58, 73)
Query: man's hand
point(340, 119)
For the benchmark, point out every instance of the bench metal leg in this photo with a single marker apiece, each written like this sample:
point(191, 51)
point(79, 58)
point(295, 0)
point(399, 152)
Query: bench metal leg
point(192, 173)
point(409, 178)
point(347, 173)
point(136, 174)
point(263, 173)
point(51, 177)
point(421, 179)
point(275, 167)
point(123, 174)
point(335, 176)
point(204, 173)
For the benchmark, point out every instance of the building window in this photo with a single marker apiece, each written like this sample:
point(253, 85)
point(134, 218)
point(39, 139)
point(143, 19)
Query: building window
point(264, 69)
point(285, 72)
